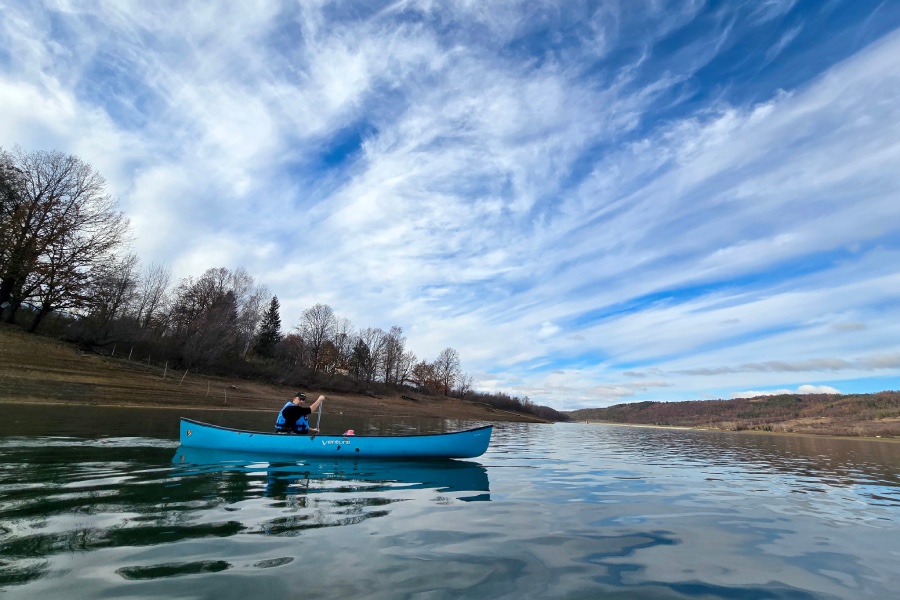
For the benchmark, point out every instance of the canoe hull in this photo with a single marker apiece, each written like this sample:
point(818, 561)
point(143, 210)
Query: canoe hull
point(461, 444)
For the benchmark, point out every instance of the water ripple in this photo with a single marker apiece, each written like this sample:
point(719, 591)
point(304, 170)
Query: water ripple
point(566, 511)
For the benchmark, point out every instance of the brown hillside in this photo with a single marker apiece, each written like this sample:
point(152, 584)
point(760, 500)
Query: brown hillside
point(868, 415)
point(41, 370)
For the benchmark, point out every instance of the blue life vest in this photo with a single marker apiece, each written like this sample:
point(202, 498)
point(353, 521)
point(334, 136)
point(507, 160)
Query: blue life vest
point(281, 424)
point(303, 424)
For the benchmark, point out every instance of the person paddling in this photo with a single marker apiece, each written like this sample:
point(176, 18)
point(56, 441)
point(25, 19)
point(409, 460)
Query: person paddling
point(294, 416)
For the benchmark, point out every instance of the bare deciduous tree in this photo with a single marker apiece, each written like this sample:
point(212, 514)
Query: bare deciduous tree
point(251, 300)
point(113, 292)
point(344, 339)
point(447, 369)
point(213, 334)
point(58, 224)
point(291, 350)
point(423, 375)
point(405, 367)
point(464, 385)
point(204, 317)
point(317, 327)
point(13, 223)
point(372, 340)
point(393, 354)
point(152, 296)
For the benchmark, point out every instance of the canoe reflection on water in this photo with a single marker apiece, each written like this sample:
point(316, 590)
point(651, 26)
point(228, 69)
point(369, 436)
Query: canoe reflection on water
point(304, 475)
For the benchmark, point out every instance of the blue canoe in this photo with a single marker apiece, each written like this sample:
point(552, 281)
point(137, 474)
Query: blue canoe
point(461, 444)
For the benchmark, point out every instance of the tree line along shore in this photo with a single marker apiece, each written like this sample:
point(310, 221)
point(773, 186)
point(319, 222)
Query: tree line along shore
point(36, 369)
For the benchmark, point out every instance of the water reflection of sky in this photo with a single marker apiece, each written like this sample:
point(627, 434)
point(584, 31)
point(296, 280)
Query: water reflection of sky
point(568, 511)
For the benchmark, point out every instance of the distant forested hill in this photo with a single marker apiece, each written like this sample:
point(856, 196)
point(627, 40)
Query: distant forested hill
point(875, 414)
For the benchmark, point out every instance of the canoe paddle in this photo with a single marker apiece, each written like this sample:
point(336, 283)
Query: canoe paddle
point(319, 418)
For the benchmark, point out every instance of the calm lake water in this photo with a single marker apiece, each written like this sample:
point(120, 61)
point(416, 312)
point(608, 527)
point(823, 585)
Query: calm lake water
point(101, 503)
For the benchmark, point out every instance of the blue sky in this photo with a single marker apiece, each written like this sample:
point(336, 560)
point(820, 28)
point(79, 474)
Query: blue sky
point(594, 203)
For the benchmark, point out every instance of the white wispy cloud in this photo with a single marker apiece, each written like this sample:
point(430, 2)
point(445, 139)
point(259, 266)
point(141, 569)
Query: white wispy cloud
point(803, 389)
point(768, 10)
point(591, 203)
point(786, 38)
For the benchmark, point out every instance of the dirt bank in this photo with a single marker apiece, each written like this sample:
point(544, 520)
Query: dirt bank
point(40, 370)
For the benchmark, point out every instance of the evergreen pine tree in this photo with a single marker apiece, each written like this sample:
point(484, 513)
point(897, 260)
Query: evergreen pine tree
point(269, 330)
